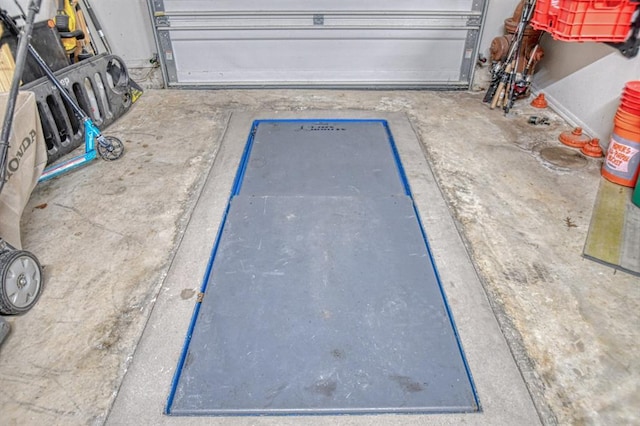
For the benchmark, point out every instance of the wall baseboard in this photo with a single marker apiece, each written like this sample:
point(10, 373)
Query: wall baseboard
point(563, 112)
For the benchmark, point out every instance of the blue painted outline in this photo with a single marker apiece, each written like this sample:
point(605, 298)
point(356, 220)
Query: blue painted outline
point(237, 186)
point(405, 181)
point(244, 161)
point(235, 189)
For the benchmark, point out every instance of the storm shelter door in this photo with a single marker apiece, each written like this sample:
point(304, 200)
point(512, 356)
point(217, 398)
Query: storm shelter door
point(321, 295)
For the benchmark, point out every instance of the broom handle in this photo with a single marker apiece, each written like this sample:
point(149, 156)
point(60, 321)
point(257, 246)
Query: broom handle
point(96, 24)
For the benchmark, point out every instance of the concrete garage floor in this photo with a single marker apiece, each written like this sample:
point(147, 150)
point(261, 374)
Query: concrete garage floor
point(113, 240)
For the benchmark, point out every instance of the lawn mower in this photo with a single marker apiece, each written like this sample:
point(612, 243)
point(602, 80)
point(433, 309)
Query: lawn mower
point(20, 272)
point(21, 278)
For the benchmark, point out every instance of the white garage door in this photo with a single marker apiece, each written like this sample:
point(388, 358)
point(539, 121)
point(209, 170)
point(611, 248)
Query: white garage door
point(317, 43)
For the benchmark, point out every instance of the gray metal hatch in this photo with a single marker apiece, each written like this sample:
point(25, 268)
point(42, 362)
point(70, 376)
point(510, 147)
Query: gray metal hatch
point(320, 298)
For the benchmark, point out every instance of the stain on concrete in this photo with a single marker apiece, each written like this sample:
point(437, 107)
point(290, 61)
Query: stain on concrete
point(109, 332)
point(563, 158)
point(407, 384)
point(187, 293)
point(324, 386)
point(273, 393)
point(188, 360)
point(338, 354)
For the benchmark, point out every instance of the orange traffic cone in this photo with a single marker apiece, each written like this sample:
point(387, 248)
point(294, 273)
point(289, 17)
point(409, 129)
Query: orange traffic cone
point(539, 101)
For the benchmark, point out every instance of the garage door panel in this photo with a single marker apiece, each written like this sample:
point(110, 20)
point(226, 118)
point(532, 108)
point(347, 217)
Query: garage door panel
point(314, 5)
point(310, 21)
point(409, 43)
point(318, 61)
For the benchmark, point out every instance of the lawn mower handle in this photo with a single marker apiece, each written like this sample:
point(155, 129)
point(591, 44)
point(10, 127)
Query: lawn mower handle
point(21, 56)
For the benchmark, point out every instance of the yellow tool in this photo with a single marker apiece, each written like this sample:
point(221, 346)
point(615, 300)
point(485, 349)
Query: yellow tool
point(7, 65)
point(73, 31)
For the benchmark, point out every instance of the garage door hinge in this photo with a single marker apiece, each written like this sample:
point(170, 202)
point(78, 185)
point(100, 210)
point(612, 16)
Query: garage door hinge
point(200, 297)
point(162, 21)
point(474, 21)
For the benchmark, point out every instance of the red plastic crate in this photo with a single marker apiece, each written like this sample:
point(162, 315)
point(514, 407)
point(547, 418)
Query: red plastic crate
point(544, 15)
point(585, 20)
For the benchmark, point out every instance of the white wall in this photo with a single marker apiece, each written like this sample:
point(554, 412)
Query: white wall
point(497, 12)
point(584, 82)
point(126, 24)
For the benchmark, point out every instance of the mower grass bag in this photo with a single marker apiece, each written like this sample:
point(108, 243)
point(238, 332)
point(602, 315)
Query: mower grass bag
point(26, 160)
